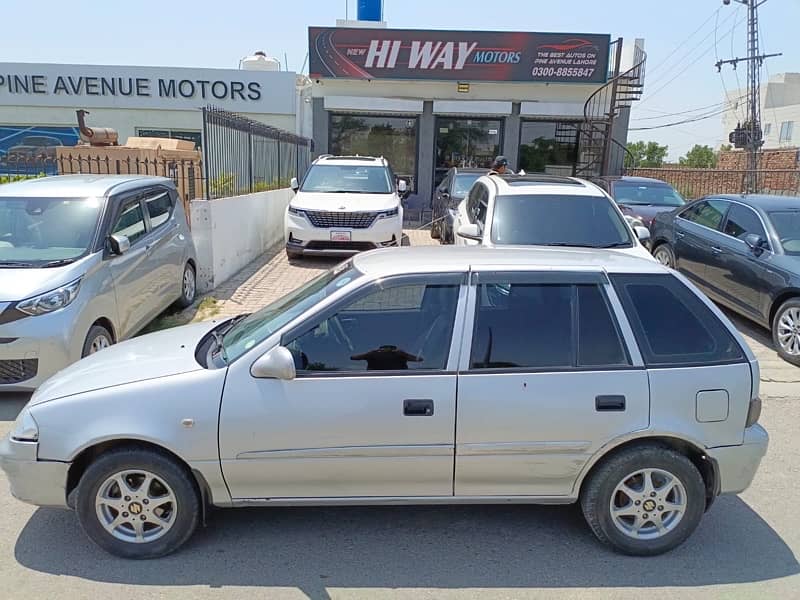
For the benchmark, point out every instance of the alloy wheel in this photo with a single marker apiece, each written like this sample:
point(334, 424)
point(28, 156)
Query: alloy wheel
point(789, 331)
point(136, 506)
point(100, 342)
point(188, 284)
point(663, 256)
point(648, 504)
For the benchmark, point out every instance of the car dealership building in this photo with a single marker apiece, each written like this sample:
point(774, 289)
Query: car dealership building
point(430, 100)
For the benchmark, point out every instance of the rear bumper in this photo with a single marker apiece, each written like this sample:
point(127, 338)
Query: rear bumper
point(42, 483)
point(736, 466)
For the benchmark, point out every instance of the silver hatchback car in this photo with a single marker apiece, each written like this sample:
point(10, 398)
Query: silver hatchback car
point(85, 261)
point(414, 375)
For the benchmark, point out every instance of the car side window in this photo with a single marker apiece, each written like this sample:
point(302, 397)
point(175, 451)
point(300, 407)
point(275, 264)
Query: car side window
point(743, 221)
point(472, 202)
point(481, 206)
point(673, 327)
point(159, 208)
point(545, 327)
point(130, 222)
point(398, 328)
point(709, 213)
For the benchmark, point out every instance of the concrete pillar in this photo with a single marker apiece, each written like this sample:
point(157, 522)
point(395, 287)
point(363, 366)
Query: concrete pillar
point(320, 126)
point(511, 137)
point(426, 155)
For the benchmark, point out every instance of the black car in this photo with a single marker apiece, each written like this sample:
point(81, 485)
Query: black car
point(447, 197)
point(641, 197)
point(744, 252)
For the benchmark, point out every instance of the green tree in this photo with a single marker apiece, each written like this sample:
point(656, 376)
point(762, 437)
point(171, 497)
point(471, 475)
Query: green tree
point(646, 154)
point(699, 157)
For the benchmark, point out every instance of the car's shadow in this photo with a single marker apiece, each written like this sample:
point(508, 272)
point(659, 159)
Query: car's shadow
point(455, 547)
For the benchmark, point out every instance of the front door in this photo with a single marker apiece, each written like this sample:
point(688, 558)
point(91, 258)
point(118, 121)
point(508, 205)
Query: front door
point(548, 380)
point(467, 143)
point(372, 410)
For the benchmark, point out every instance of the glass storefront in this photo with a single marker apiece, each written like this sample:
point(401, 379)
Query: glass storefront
point(549, 147)
point(466, 142)
point(394, 138)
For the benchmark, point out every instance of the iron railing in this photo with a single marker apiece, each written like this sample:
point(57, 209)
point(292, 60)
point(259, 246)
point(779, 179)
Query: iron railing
point(242, 156)
point(695, 183)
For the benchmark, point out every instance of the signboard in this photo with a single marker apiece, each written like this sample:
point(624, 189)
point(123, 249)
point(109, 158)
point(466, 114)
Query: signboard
point(91, 86)
point(457, 55)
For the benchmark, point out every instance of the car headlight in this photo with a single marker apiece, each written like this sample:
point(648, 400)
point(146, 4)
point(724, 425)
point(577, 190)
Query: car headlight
point(634, 221)
point(50, 301)
point(25, 428)
point(386, 214)
point(296, 211)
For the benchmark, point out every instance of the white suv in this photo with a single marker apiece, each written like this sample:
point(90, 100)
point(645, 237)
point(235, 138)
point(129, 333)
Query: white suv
point(345, 204)
point(545, 210)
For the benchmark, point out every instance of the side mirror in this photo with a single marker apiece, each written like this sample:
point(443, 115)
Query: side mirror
point(120, 244)
point(278, 363)
point(755, 242)
point(470, 232)
point(294, 184)
point(643, 233)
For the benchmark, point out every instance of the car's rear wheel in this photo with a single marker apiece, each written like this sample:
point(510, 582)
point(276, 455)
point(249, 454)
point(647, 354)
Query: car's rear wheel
point(188, 287)
point(137, 503)
point(786, 331)
point(644, 501)
point(98, 338)
point(664, 254)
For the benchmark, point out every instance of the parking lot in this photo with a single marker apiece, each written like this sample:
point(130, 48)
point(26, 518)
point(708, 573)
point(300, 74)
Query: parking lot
point(746, 546)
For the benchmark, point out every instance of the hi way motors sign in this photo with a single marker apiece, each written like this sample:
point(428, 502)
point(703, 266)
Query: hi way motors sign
point(457, 55)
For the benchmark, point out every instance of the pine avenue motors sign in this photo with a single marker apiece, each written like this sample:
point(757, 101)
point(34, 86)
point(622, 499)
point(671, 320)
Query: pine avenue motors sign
point(457, 55)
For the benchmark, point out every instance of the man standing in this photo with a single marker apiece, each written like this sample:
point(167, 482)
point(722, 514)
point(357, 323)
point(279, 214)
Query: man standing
point(500, 167)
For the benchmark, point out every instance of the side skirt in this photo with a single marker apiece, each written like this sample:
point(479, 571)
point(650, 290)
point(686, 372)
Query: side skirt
point(401, 501)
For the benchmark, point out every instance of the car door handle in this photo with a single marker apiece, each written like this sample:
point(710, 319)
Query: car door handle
point(680, 235)
point(418, 408)
point(716, 250)
point(609, 403)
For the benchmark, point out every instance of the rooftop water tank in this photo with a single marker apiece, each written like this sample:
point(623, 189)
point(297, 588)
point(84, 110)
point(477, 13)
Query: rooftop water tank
point(370, 10)
point(259, 61)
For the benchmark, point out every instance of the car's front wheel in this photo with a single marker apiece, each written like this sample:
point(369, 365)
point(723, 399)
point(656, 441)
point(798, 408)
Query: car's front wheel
point(644, 501)
point(665, 255)
point(786, 331)
point(98, 338)
point(137, 503)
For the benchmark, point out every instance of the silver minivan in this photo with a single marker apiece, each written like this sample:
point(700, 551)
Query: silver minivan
point(408, 376)
point(86, 261)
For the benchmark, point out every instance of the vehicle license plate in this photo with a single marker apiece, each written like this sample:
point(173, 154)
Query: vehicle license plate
point(340, 236)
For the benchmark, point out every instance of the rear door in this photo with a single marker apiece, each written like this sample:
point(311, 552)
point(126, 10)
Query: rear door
point(694, 229)
point(547, 378)
point(164, 247)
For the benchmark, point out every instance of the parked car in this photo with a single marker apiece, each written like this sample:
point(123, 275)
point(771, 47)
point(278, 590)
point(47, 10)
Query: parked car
point(345, 204)
point(447, 197)
point(580, 376)
point(85, 261)
point(544, 210)
point(641, 198)
point(744, 252)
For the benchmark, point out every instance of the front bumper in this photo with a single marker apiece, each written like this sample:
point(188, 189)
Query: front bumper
point(303, 238)
point(43, 483)
point(736, 466)
point(29, 355)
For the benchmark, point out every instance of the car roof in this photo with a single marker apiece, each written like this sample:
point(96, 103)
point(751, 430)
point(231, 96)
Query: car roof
point(631, 179)
point(510, 185)
point(80, 186)
point(352, 161)
point(762, 201)
point(438, 259)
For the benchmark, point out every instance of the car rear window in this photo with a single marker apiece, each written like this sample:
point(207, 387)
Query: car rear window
point(673, 326)
point(559, 220)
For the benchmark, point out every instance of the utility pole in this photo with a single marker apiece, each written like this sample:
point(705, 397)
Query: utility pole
point(749, 135)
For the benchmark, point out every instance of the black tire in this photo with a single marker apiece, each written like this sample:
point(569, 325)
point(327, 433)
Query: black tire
point(291, 254)
point(597, 492)
point(187, 497)
point(98, 338)
point(789, 310)
point(188, 287)
point(668, 254)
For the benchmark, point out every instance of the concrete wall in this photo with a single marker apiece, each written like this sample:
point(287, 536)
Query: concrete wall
point(230, 232)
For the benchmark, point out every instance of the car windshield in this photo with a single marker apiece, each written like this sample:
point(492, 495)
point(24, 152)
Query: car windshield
point(40, 231)
point(646, 194)
point(559, 220)
point(258, 326)
point(787, 224)
point(352, 179)
point(463, 183)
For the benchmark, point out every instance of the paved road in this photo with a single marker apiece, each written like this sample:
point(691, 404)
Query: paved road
point(746, 547)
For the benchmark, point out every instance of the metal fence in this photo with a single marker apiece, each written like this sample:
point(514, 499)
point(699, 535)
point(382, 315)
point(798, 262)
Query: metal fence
point(242, 156)
point(694, 183)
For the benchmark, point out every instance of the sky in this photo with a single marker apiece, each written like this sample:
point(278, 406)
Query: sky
point(679, 39)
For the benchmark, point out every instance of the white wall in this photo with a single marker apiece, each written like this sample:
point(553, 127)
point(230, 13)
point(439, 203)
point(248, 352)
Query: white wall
point(230, 232)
